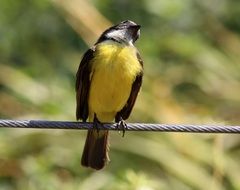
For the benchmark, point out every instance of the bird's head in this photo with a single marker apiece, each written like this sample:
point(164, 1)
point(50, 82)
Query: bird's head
point(126, 32)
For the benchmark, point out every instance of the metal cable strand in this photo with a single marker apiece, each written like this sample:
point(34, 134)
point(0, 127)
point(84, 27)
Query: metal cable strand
point(42, 124)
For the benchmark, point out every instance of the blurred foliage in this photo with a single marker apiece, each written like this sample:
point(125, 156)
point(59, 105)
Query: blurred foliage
point(192, 75)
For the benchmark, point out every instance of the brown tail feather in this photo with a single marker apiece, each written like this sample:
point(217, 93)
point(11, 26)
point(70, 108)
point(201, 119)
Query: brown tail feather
point(95, 153)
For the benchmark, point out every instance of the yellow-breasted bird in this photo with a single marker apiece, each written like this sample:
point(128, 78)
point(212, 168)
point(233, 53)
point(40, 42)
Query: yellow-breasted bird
point(108, 81)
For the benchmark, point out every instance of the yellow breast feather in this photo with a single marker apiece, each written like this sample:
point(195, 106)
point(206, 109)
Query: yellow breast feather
point(114, 69)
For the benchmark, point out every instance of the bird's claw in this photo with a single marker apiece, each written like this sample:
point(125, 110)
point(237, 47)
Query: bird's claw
point(122, 126)
point(96, 123)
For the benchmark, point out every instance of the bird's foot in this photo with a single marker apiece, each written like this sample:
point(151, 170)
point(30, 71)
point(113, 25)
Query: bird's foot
point(122, 126)
point(96, 123)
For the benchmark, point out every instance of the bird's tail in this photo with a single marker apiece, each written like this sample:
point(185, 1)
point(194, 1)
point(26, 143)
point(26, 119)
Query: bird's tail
point(95, 153)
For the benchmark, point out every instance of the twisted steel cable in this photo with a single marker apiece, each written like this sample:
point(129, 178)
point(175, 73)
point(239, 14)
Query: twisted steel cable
point(43, 124)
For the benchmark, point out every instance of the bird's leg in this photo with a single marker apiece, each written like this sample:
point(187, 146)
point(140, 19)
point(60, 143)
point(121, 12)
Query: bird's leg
point(96, 123)
point(121, 125)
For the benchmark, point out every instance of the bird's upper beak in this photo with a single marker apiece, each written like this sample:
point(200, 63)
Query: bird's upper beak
point(135, 27)
point(135, 30)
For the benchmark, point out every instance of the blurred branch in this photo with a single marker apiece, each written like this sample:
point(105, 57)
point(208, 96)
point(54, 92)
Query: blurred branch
point(84, 18)
point(12, 106)
point(22, 84)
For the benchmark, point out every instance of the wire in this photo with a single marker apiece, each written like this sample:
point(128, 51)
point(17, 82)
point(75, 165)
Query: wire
point(43, 124)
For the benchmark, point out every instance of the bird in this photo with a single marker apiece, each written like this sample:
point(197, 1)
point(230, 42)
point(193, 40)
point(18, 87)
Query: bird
point(108, 81)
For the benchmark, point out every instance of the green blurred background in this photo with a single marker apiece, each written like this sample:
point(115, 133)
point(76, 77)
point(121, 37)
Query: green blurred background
point(191, 51)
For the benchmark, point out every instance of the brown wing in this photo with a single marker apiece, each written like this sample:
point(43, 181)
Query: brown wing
point(127, 109)
point(83, 85)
